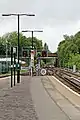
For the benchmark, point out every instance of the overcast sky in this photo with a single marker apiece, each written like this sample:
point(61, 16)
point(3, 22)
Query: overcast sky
point(54, 17)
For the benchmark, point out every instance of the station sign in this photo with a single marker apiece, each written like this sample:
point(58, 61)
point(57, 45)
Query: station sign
point(14, 50)
point(32, 57)
point(32, 54)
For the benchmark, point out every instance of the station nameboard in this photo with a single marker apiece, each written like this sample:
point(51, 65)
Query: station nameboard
point(52, 54)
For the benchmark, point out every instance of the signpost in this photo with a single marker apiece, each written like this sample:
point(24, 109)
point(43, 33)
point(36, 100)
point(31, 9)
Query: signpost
point(14, 52)
point(39, 66)
point(11, 66)
point(32, 61)
point(37, 69)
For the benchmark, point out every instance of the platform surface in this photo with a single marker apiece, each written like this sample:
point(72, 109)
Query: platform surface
point(34, 98)
point(52, 106)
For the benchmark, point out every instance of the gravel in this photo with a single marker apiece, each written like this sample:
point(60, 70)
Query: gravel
point(16, 103)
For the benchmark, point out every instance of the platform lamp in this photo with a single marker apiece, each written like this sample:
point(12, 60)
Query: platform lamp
point(18, 15)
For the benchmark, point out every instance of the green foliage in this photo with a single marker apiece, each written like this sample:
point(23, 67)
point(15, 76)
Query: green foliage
point(68, 51)
point(11, 39)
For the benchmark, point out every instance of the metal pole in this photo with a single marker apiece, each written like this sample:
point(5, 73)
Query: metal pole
point(14, 68)
point(6, 56)
point(11, 65)
point(32, 40)
point(31, 60)
point(18, 71)
point(39, 66)
point(31, 70)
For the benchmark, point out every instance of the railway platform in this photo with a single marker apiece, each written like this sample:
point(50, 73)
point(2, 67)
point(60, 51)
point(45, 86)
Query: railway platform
point(49, 103)
point(35, 98)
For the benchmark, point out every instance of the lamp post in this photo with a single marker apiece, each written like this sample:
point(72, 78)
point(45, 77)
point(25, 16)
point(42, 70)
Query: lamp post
point(32, 31)
point(18, 15)
point(6, 56)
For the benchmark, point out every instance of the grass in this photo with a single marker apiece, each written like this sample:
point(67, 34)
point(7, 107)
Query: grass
point(23, 71)
point(9, 73)
point(3, 74)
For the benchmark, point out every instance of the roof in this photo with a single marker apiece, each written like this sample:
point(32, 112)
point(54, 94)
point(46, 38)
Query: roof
point(9, 59)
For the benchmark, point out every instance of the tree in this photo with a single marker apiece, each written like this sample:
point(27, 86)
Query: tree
point(68, 50)
point(11, 39)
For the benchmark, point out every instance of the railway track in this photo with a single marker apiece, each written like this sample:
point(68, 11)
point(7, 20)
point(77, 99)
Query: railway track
point(66, 77)
point(69, 79)
point(71, 74)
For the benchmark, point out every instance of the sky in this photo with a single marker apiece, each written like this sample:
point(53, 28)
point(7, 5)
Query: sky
point(54, 17)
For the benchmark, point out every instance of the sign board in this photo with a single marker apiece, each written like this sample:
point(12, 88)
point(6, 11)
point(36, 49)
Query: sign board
point(43, 72)
point(52, 54)
point(37, 67)
point(32, 54)
point(32, 57)
point(14, 50)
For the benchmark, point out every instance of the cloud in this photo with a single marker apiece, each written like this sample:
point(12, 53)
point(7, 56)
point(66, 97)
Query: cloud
point(55, 17)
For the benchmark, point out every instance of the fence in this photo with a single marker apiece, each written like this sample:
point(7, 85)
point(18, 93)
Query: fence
point(4, 64)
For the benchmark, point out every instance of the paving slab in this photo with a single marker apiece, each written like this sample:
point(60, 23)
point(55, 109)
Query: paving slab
point(16, 103)
point(29, 100)
point(69, 108)
point(46, 108)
